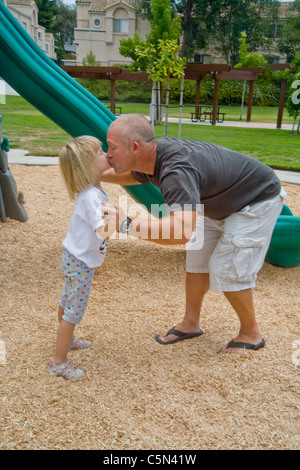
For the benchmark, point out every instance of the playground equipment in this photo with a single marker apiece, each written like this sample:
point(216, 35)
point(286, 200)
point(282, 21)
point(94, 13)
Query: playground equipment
point(11, 200)
point(57, 95)
point(284, 249)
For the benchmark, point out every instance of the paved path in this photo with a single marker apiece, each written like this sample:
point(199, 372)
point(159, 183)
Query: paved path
point(249, 125)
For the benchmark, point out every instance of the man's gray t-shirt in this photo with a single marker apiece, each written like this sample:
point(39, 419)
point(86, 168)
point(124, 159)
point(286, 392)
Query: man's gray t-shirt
point(192, 173)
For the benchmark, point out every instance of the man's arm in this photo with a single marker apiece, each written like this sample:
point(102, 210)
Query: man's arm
point(174, 229)
point(124, 179)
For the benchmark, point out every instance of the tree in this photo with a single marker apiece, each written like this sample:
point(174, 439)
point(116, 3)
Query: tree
point(62, 27)
point(47, 11)
point(64, 21)
point(163, 24)
point(162, 62)
point(143, 8)
point(248, 60)
point(58, 19)
point(158, 54)
point(217, 24)
point(289, 43)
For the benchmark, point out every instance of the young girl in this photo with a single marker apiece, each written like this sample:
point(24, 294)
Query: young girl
point(82, 163)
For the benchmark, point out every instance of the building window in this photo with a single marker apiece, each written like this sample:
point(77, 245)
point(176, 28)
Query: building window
point(199, 58)
point(277, 32)
point(97, 22)
point(47, 47)
point(24, 24)
point(121, 26)
point(39, 35)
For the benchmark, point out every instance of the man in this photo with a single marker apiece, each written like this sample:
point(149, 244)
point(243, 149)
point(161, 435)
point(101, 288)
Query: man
point(242, 200)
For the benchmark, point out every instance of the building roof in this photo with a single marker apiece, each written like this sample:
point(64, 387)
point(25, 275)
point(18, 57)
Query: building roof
point(102, 5)
point(27, 3)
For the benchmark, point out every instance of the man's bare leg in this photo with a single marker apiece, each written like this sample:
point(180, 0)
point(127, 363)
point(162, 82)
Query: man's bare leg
point(242, 302)
point(197, 285)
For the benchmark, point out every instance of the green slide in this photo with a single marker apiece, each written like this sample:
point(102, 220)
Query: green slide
point(57, 95)
point(284, 249)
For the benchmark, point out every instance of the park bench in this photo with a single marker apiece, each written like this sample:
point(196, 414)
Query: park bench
point(207, 115)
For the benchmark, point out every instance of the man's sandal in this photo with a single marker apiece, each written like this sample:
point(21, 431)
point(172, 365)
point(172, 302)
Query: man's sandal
point(180, 336)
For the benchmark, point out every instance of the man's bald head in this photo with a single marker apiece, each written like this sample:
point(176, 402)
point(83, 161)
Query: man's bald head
point(134, 127)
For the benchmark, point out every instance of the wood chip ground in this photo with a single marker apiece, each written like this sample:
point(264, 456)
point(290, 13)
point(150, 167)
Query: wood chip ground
point(137, 394)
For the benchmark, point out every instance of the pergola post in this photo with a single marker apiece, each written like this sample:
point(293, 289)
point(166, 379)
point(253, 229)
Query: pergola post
point(250, 99)
point(198, 82)
point(283, 87)
point(215, 102)
point(112, 94)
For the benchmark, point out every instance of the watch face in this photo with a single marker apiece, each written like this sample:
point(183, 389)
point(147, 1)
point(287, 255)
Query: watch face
point(126, 226)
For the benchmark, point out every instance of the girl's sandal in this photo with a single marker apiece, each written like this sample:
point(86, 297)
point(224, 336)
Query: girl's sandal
point(66, 370)
point(78, 343)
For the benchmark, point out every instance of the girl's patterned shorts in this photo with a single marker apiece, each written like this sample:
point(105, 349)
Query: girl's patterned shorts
point(77, 288)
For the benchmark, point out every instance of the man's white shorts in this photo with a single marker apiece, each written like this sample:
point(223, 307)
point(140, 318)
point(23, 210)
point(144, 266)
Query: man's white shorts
point(234, 249)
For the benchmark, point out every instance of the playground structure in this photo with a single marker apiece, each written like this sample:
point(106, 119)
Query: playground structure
point(11, 200)
point(284, 249)
point(58, 96)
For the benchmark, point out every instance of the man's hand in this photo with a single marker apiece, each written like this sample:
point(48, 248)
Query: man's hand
point(113, 216)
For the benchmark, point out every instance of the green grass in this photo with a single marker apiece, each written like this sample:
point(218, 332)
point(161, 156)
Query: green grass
point(258, 114)
point(27, 128)
point(276, 148)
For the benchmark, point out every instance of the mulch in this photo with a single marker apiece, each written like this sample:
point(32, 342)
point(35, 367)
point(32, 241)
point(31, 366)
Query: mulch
point(137, 394)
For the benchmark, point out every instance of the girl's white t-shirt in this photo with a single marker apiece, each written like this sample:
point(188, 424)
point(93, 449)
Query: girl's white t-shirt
point(82, 240)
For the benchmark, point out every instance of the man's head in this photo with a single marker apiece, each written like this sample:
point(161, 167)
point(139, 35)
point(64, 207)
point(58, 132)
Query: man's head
point(128, 139)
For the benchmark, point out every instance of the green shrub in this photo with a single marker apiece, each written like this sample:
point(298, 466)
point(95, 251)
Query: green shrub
point(266, 91)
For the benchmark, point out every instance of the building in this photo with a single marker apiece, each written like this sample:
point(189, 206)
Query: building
point(101, 24)
point(26, 13)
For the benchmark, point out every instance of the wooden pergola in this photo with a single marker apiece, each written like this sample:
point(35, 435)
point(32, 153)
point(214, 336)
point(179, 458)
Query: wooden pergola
point(249, 74)
point(106, 73)
point(192, 72)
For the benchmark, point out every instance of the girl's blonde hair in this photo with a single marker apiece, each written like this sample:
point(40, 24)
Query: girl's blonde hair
point(78, 164)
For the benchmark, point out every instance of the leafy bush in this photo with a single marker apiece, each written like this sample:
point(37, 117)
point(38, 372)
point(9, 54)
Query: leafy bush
point(266, 91)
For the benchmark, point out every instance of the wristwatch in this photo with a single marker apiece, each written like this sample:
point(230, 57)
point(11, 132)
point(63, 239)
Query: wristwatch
point(126, 225)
